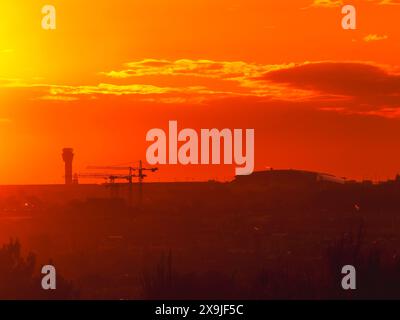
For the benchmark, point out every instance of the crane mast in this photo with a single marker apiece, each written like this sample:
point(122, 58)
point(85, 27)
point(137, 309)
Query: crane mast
point(132, 172)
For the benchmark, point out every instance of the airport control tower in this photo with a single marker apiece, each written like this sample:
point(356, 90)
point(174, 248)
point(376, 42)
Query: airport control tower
point(68, 156)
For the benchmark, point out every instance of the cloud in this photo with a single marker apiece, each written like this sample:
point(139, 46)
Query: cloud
point(185, 80)
point(383, 112)
point(343, 78)
point(318, 81)
point(390, 2)
point(343, 87)
point(364, 88)
point(339, 3)
point(67, 93)
point(233, 70)
point(107, 89)
point(327, 3)
point(59, 98)
point(229, 77)
point(374, 37)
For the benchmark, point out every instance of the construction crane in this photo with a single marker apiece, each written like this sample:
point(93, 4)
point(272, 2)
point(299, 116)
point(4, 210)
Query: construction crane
point(140, 169)
point(129, 177)
point(107, 176)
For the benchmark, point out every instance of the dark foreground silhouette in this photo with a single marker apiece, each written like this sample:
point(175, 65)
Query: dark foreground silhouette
point(274, 237)
point(20, 279)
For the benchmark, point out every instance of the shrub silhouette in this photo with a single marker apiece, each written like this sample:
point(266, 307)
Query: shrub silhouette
point(378, 274)
point(163, 282)
point(19, 280)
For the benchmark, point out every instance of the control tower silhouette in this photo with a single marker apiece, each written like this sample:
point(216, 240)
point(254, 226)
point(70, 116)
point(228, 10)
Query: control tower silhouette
point(68, 157)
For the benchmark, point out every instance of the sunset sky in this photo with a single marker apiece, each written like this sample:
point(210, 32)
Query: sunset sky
point(319, 97)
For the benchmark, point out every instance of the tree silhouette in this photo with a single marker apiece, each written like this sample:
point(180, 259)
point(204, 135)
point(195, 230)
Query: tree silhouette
point(19, 280)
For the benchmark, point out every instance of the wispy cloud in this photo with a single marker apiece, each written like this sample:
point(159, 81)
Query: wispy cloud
point(352, 87)
point(67, 93)
point(223, 79)
point(375, 37)
point(59, 98)
point(237, 77)
point(383, 112)
point(107, 89)
point(327, 3)
point(390, 2)
point(232, 70)
point(338, 3)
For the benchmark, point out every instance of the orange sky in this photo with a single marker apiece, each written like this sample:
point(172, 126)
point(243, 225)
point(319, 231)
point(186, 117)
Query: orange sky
point(319, 97)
